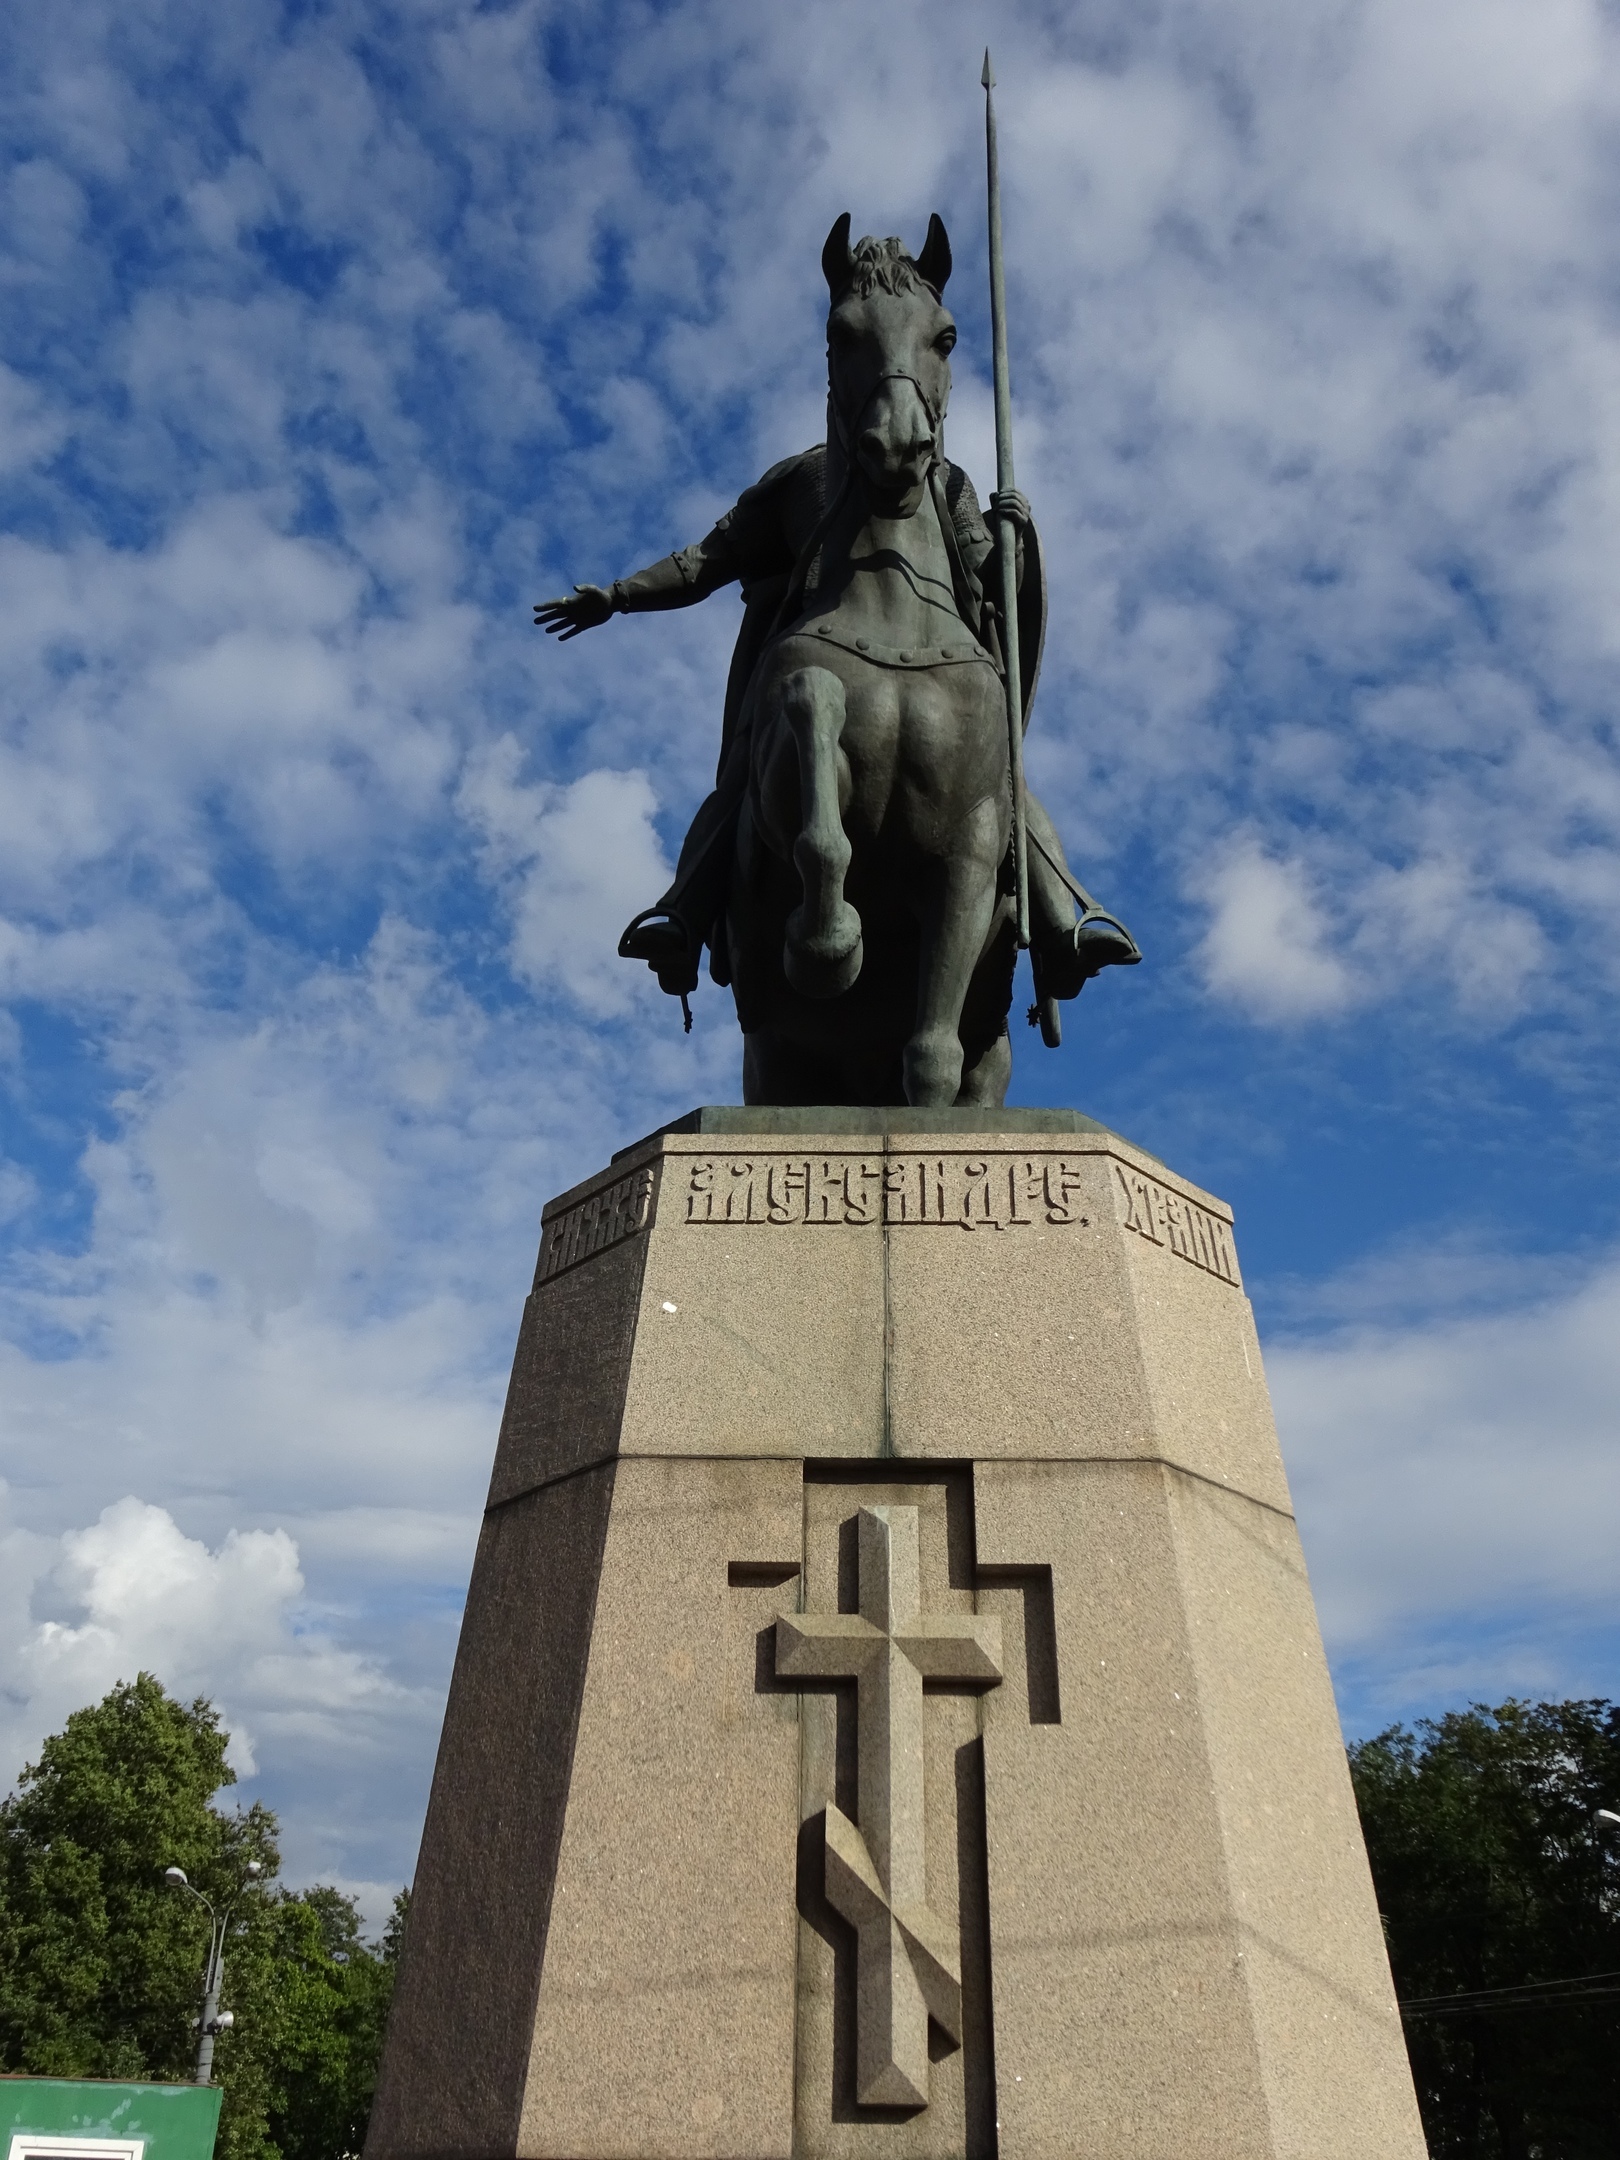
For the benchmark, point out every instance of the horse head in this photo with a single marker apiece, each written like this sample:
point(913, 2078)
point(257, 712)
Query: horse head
point(889, 343)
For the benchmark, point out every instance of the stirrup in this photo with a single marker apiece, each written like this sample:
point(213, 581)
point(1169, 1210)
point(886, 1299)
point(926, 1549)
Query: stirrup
point(1065, 962)
point(1100, 919)
point(664, 942)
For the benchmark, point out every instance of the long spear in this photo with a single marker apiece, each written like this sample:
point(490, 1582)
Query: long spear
point(1006, 533)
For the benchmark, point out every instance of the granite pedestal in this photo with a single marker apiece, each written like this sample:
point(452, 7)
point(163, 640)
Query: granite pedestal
point(890, 1717)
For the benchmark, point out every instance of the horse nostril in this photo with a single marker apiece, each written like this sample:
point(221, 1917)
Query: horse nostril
point(876, 449)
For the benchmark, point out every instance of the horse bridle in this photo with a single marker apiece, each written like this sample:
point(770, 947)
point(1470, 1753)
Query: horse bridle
point(793, 596)
point(936, 415)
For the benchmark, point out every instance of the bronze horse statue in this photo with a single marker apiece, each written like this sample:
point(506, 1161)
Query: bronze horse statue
point(851, 871)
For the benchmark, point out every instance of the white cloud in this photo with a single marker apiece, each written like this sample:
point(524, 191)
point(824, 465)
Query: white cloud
point(576, 862)
point(18, 1190)
point(1440, 915)
point(1267, 943)
point(143, 1597)
point(1458, 1471)
point(312, 1226)
point(235, 666)
point(30, 430)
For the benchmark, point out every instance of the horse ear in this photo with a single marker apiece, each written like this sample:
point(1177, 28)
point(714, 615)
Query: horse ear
point(837, 257)
point(934, 263)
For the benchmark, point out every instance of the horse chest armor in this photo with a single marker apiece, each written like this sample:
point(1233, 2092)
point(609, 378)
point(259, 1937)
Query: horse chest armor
point(956, 651)
point(897, 606)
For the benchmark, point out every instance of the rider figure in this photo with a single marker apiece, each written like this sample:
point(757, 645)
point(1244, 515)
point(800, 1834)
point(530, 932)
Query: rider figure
point(769, 544)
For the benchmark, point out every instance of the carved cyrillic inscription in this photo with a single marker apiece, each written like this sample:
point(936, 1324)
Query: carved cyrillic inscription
point(958, 1191)
point(1164, 1218)
point(617, 1212)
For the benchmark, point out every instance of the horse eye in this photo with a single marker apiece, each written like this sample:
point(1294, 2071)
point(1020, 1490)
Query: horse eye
point(945, 343)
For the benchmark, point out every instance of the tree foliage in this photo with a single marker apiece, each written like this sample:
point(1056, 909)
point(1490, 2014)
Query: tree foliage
point(101, 1965)
point(1491, 1874)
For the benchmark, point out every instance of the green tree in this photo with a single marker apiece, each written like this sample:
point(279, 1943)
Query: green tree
point(101, 1965)
point(1491, 1875)
point(100, 1961)
point(302, 2058)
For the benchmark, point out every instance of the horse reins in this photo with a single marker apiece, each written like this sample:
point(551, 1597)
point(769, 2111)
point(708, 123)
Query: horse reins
point(936, 418)
point(787, 608)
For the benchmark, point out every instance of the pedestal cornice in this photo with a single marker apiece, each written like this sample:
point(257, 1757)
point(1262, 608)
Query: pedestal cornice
point(886, 1285)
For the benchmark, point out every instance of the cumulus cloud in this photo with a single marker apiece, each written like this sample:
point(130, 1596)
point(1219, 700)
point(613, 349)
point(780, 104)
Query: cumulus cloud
point(1267, 945)
point(131, 1593)
point(154, 1600)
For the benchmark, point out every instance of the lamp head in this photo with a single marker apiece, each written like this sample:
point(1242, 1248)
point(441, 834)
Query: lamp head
point(176, 1878)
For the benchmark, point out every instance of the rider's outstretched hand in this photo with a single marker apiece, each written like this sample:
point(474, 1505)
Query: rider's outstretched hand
point(1009, 503)
point(583, 609)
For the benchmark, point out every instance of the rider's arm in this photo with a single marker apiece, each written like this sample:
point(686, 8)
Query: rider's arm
point(976, 533)
point(750, 542)
point(1018, 552)
point(677, 581)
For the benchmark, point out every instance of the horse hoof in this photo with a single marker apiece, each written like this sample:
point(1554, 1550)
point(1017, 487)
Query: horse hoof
point(824, 962)
point(817, 972)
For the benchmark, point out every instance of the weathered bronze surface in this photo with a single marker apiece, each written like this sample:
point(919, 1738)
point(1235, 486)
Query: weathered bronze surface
point(853, 872)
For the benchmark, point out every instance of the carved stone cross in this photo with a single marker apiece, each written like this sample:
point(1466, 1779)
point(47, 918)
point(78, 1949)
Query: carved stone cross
point(908, 1960)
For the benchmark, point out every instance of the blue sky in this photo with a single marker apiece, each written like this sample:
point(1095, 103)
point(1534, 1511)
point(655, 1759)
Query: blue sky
point(333, 336)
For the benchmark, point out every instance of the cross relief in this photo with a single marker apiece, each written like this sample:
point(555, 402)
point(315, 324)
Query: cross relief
point(908, 1960)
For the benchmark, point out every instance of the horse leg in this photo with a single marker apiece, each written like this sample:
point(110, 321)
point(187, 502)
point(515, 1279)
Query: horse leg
point(821, 953)
point(953, 937)
point(986, 1048)
point(778, 1071)
point(985, 1075)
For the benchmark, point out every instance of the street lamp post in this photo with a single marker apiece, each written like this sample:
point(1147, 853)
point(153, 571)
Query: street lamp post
point(213, 2020)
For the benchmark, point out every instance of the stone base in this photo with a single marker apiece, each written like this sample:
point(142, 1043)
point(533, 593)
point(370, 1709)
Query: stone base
point(678, 1895)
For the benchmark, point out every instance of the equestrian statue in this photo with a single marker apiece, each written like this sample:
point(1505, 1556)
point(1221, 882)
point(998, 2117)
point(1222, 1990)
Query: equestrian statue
point(858, 873)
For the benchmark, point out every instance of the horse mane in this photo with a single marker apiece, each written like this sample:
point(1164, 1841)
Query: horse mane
point(885, 266)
